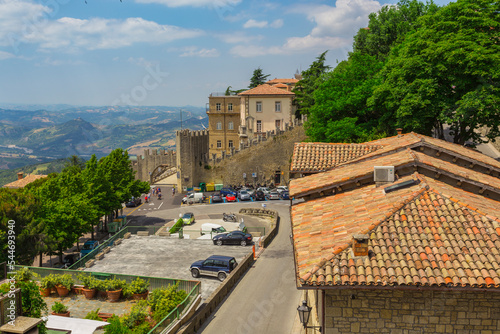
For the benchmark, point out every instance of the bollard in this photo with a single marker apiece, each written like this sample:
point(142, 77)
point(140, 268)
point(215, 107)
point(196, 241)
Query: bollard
point(254, 252)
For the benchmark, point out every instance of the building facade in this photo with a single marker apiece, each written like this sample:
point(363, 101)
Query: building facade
point(223, 123)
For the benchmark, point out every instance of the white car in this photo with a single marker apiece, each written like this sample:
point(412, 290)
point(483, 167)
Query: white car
point(265, 190)
point(281, 189)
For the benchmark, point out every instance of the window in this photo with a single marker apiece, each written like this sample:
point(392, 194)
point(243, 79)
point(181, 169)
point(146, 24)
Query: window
point(230, 126)
point(277, 106)
point(259, 126)
point(231, 145)
point(278, 124)
point(258, 107)
point(229, 107)
point(217, 106)
point(219, 144)
point(219, 126)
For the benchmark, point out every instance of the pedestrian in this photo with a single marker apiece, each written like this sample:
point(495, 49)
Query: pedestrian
point(146, 198)
point(173, 191)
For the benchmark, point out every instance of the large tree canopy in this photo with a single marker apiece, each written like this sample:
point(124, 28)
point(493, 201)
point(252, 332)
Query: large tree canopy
point(446, 72)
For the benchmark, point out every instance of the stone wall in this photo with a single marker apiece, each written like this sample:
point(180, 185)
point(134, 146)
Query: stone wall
point(192, 148)
point(146, 163)
point(411, 311)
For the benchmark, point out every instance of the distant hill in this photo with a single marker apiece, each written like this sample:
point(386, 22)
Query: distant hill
point(36, 136)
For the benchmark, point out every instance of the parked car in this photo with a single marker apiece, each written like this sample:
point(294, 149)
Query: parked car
point(88, 247)
point(230, 198)
point(265, 190)
point(188, 218)
point(216, 198)
point(273, 194)
point(69, 260)
point(193, 198)
point(280, 189)
point(284, 195)
point(250, 191)
point(216, 265)
point(243, 195)
point(233, 238)
point(225, 191)
point(208, 228)
point(134, 201)
point(260, 196)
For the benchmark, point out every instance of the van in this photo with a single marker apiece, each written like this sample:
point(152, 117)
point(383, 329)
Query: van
point(208, 228)
point(193, 198)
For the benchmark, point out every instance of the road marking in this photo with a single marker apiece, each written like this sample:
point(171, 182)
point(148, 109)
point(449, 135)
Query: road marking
point(160, 205)
point(135, 209)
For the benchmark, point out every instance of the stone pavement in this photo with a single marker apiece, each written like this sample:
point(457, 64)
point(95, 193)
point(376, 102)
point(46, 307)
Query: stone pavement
point(79, 306)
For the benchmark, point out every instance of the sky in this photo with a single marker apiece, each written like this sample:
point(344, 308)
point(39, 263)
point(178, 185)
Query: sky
point(164, 52)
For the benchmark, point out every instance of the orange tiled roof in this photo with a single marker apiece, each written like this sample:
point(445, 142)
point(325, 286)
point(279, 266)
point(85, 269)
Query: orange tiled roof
point(428, 239)
point(266, 89)
point(318, 157)
point(24, 181)
point(285, 81)
point(280, 85)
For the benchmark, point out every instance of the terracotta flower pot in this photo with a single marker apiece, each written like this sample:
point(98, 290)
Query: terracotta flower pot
point(104, 316)
point(62, 291)
point(89, 293)
point(114, 296)
point(61, 314)
point(140, 296)
point(45, 292)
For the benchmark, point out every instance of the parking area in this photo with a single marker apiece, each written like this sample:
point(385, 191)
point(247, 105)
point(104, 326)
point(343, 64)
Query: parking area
point(165, 257)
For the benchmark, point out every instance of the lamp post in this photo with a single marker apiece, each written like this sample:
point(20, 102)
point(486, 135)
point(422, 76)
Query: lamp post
point(304, 313)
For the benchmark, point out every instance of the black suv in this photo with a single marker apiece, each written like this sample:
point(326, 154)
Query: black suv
point(216, 265)
point(259, 195)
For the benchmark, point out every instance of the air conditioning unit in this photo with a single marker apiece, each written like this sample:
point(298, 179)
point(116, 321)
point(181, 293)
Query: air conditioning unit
point(383, 173)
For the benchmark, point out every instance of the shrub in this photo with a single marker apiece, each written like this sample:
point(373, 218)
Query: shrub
point(25, 274)
point(177, 226)
point(65, 280)
point(93, 315)
point(59, 308)
point(48, 282)
point(88, 281)
point(113, 284)
point(138, 314)
point(4, 288)
point(163, 301)
point(138, 285)
point(115, 326)
point(32, 303)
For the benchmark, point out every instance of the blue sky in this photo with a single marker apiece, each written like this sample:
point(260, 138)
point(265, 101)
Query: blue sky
point(164, 52)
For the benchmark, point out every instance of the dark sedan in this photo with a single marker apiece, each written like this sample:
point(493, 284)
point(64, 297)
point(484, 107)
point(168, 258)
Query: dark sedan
point(284, 195)
point(260, 196)
point(233, 238)
point(216, 198)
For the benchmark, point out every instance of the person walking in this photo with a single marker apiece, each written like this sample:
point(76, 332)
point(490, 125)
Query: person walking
point(173, 191)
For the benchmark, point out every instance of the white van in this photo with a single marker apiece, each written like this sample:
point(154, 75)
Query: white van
point(193, 198)
point(214, 229)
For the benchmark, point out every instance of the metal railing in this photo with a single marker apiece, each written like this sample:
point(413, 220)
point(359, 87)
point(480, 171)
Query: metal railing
point(176, 313)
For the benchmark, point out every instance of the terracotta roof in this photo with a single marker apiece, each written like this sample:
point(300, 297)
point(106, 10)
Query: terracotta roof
point(266, 89)
point(431, 233)
point(24, 181)
point(318, 157)
point(280, 85)
point(291, 81)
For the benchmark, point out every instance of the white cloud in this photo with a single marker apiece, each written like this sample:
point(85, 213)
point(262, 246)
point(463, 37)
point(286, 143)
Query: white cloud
point(334, 29)
point(141, 62)
point(276, 23)
point(193, 3)
point(238, 37)
point(255, 24)
point(5, 55)
point(203, 53)
point(97, 33)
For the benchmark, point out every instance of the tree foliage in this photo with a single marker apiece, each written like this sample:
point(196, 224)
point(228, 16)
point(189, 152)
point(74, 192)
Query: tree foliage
point(311, 79)
point(258, 78)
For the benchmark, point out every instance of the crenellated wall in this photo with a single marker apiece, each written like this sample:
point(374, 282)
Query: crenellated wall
point(193, 148)
point(146, 163)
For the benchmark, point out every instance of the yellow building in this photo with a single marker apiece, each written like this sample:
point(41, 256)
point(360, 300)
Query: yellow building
point(223, 123)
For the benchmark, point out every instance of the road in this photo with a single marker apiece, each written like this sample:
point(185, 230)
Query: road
point(265, 300)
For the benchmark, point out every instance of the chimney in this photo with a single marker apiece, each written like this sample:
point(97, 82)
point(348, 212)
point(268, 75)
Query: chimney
point(20, 175)
point(400, 132)
point(360, 244)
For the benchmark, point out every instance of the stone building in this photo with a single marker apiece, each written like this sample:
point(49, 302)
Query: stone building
point(403, 238)
point(265, 108)
point(192, 148)
point(223, 122)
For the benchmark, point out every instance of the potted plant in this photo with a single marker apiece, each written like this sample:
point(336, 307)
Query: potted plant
point(114, 288)
point(60, 309)
point(89, 285)
point(64, 283)
point(139, 288)
point(47, 284)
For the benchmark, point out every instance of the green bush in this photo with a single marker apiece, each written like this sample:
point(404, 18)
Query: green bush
point(59, 308)
point(139, 285)
point(88, 281)
point(163, 301)
point(137, 316)
point(48, 282)
point(93, 315)
point(25, 274)
point(65, 280)
point(4, 288)
point(113, 284)
point(116, 326)
point(177, 226)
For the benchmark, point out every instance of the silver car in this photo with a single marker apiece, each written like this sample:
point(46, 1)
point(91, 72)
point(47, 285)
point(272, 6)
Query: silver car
point(273, 194)
point(243, 195)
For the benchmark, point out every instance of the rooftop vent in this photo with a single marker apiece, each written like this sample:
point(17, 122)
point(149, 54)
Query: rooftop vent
point(402, 185)
point(383, 173)
point(360, 244)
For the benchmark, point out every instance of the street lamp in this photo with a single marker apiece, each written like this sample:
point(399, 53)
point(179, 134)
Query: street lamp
point(304, 313)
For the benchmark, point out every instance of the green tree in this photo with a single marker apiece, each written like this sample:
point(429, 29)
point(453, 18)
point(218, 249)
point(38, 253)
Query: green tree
point(74, 161)
point(311, 79)
point(389, 26)
point(340, 112)
point(258, 78)
point(446, 72)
